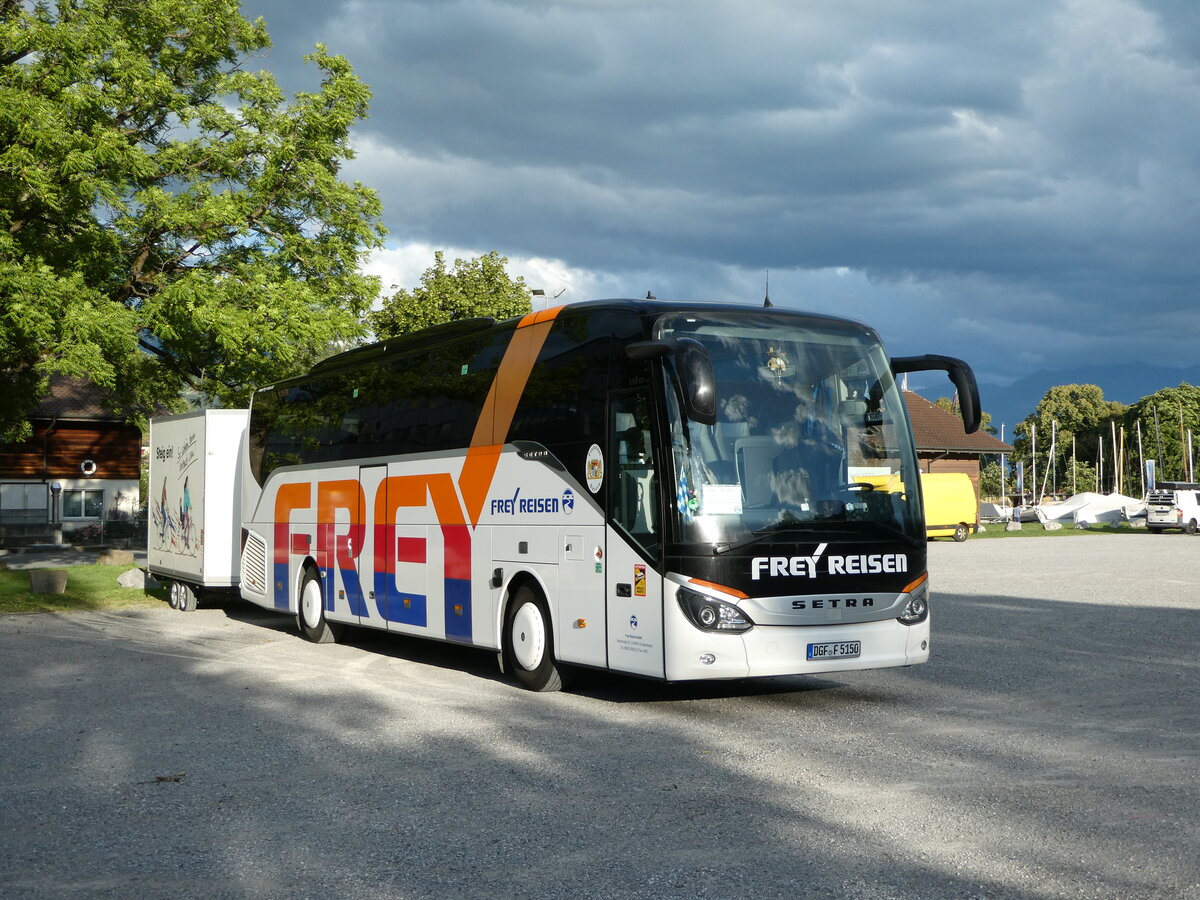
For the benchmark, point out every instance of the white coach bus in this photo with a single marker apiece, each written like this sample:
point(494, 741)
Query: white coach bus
point(677, 491)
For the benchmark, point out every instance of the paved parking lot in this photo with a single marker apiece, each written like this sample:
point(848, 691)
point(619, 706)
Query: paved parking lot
point(1051, 748)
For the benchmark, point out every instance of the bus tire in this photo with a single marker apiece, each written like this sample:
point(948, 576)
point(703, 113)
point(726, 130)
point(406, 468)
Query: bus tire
point(310, 611)
point(960, 532)
point(529, 642)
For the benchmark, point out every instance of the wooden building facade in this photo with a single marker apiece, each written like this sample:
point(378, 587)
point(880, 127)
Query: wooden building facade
point(79, 445)
point(943, 445)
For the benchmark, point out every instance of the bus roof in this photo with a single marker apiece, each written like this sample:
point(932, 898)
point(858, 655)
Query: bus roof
point(452, 331)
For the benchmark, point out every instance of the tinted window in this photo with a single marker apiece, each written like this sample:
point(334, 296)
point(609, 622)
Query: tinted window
point(416, 403)
point(430, 400)
point(563, 404)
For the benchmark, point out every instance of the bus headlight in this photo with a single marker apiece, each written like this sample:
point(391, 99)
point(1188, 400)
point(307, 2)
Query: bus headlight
point(709, 614)
point(916, 610)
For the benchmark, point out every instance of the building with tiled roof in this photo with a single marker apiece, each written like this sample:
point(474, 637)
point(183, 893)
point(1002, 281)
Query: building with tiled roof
point(943, 445)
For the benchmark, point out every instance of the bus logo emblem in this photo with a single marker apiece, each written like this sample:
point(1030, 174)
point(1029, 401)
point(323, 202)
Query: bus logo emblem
point(594, 468)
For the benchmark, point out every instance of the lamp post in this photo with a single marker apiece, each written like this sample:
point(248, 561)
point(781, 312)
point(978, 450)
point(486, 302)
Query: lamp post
point(56, 511)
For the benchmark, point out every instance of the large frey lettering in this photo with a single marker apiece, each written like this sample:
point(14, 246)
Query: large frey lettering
point(339, 546)
point(809, 566)
point(400, 550)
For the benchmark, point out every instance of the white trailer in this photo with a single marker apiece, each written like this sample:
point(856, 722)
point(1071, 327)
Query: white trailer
point(194, 539)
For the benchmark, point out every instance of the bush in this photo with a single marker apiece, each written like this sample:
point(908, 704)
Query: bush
point(85, 534)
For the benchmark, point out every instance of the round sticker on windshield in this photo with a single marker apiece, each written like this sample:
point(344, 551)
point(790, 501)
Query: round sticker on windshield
point(594, 468)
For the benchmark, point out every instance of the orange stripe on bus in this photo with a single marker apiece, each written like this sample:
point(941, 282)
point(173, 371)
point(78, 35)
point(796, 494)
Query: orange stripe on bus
point(491, 430)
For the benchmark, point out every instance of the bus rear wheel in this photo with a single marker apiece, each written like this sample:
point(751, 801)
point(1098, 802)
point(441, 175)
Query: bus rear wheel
point(529, 643)
point(310, 611)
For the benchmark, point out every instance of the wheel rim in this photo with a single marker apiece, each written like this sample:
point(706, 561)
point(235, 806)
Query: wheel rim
point(528, 637)
point(310, 604)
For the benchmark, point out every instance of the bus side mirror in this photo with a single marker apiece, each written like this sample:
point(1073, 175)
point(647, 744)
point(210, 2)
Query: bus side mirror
point(699, 385)
point(694, 367)
point(959, 372)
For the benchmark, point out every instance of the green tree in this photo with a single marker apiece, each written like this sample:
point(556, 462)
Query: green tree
point(1075, 417)
point(477, 287)
point(989, 481)
point(1165, 418)
point(169, 220)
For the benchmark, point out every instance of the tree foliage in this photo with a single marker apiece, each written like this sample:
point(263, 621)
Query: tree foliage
point(476, 287)
point(990, 485)
point(169, 220)
point(1075, 417)
point(1164, 420)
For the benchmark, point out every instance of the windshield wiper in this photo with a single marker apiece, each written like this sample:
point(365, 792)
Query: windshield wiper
point(782, 528)
point(823, 528)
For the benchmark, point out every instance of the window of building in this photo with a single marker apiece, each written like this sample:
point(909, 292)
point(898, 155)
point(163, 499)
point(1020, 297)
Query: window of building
point(82, 504)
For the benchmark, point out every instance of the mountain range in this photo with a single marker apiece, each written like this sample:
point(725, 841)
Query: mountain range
point(1125, 382)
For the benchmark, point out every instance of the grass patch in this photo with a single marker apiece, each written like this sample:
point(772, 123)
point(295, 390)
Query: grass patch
point(88, 587)
point(1035, 530)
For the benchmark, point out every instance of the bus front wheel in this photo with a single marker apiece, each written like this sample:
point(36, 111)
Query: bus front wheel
point(529, 643)
point(310, 611)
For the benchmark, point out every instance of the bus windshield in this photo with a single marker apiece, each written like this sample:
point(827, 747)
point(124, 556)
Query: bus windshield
point(811, 433)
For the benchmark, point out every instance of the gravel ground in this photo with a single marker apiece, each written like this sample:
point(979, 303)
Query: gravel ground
point(1050, 749)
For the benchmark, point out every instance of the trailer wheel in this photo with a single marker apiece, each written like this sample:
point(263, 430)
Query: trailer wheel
point(960, 532)
point(182, 597)
point(310, 611)
point(529, 642)
point(188, 600)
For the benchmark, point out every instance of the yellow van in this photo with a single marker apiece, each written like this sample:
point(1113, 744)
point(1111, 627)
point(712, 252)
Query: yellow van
point(951, 509)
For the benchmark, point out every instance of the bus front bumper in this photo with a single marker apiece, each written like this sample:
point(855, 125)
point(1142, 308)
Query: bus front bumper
point(774, 650)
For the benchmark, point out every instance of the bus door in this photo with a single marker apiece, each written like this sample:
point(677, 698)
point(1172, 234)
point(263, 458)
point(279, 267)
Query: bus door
point(340, 537)
point(397, 561)
point(369, 563)
point(634, 587)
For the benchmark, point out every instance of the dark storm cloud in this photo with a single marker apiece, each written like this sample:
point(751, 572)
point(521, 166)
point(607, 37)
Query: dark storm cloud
point(1022, 174)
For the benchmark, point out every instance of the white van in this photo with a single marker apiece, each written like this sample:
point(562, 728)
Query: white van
point(1174, 505)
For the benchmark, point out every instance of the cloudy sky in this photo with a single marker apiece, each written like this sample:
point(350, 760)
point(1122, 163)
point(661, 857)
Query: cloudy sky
point(1010, 181)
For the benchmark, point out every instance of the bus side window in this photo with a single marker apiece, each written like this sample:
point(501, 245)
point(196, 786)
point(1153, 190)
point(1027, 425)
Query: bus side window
point(635, 493)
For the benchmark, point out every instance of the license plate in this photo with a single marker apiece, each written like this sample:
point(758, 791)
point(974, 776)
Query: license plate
point(835, 650)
